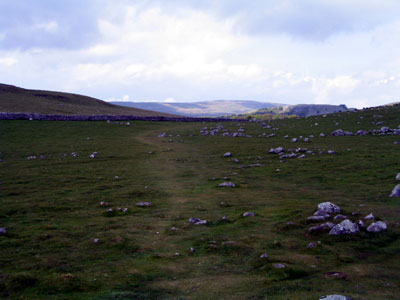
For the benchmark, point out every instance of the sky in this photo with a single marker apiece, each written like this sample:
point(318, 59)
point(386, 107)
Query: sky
point(287, 51)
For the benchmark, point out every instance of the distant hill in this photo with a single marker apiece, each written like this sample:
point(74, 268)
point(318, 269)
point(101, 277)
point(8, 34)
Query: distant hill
point(203, 108)
point(15, 99)
point(299, 110)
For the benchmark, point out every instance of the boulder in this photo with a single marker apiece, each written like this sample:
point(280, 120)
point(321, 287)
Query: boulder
point(316, 218)
point(335, 297)
point(329, 208)
point(227, 184)
point(344, 227)
point(321, 228)
point(369, 217)
point(396, 191)
point(377, 227)
point(197, 221)
point(143, 204)
point(248, 214)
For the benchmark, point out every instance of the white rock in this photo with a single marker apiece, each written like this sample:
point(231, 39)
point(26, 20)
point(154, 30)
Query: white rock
point(227, 184)
point(264, 255)
point(248, 214)
point(369, 217)
point(227, 154)
point(329, 208)
point(335, 297)
point(279, 266)
point(143, 204)
point(396, 191)
point(344, 227)
point(377, 227)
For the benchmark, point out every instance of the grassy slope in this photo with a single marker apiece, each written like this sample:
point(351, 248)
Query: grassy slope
point(50, 209)
point(14, 99)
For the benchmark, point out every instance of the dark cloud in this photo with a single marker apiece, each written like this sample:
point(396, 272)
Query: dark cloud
point(67, 24)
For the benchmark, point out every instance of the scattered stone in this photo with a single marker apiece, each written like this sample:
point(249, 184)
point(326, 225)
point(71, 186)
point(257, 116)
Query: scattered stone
point(192, 250)
point(264, 255)
point(277, 150)
point(336, 275)
point(279, 266)
point(110, 210)
point(125, 210)
point(335, 297)
point(224, 219)
point(294, 140)
point(340, 217)
point(398, 176)
point(248, 214)
point(306, 140)
point(316, 218)
point(173, 229)
point(3, 231)
point(227, 184)
point(322, 134)
point(332, 152)
point(290, 224)
point(329, 208)
point(396, 191)
point(197, 221)
point(369, 217)
point(236, 160)
point(321, 228)
point(377, 227)
point(361, 224)
point(96, 241)
point(164, 134)
point(103, 203)
point(311, 245)
point(143, 204)
point(227, 154)
point(344, 227)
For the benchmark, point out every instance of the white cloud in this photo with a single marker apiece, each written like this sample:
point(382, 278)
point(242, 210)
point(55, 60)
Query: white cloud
point(51, 27)
point(8, 61)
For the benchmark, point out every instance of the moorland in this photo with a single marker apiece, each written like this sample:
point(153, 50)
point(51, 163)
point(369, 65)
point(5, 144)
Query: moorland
point(65, 185)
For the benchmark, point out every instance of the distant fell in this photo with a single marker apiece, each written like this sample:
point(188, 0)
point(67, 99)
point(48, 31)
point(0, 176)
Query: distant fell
point(15, 99)
point(202, 108)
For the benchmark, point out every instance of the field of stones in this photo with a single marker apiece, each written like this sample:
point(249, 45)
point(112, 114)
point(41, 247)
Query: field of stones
point(304, 208)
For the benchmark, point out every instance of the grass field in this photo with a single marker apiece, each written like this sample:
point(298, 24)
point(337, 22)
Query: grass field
point(50, 208)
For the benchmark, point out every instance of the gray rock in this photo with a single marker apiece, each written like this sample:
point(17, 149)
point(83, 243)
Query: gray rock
point(143, 204)
point(340, 217)
point(264, 255)
point(329, 208)
point(369, 217)
point(248, 214)
point(331, 152)
point(277, 150)
point(398, 176)
point(322, 213)
point(197, 221)
point(316, 218)
point(321, 228)
point(227, 184)
point(377, 227)
point(311, 245)
point(3, 230)
point(344, 227)
point(335, 297)
point(227, 154)
point(322, 134)
point(396, 191)
point(293, 140)
point(361, 224)
point(306, 140)
point(279, 266)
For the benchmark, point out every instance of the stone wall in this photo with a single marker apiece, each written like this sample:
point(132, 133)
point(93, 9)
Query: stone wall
point(40, 117)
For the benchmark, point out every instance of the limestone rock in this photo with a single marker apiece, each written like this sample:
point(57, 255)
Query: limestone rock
point(248, 214)
point(344, 227)
point(396, 191)
point(227, 184)
point(377, 227)
point(143, 204)
point(329, 208)
point(321, 228)
point(335, 297)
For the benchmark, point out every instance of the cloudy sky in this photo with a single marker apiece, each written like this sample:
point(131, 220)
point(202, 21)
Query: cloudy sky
point(287, 51)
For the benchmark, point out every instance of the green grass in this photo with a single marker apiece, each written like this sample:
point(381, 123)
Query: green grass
point(51, 210)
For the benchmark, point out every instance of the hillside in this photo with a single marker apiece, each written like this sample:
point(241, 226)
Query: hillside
point(15, 99)
point(102, 211)
point(202, 108)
